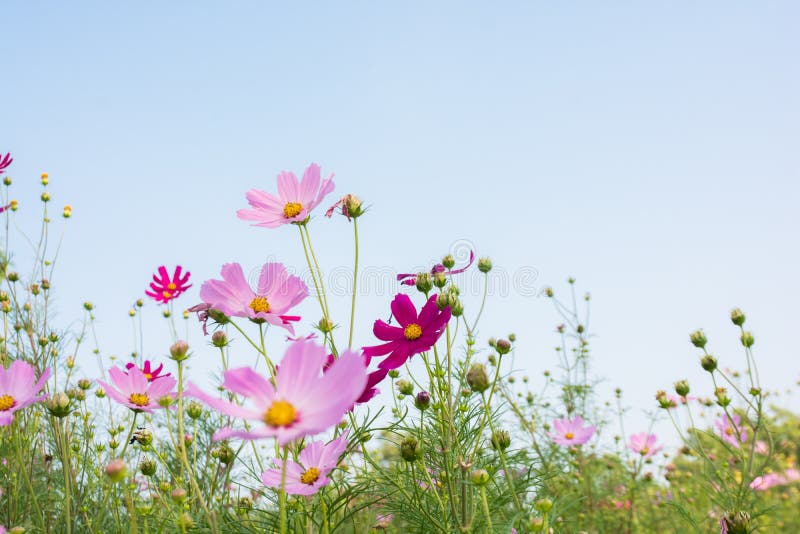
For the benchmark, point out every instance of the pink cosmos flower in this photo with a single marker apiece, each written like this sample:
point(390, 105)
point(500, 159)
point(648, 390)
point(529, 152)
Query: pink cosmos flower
point(373, 379)
point(294, 201)
point(571, 432)
point(133, 389)
point(301, 402)
point(416, 333)
point(306, 478)
point(19, 388)
point(410, 279)
point(276, 294)
point(5, 161)
point(731, 431)
point(644, 444)
point(149, 373)
point(382, 521)
point(165, 287)
point(764, 482)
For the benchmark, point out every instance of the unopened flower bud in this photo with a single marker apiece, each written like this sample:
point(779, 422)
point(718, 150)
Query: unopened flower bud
point(178, 495)
point(422, 400)
point(543, 505)
point(45, 197)
point(443, 300)
point(88, 306)
point(663, 400)
point(131, 313)
point(457, 308)
point(14, 205)
point(45, 178)
point(708, 363)
point(536, 524)
point(185, 314)
point(503, 346)
point(477, 378)
point(723, 399)
point(479, 477)
point(409, 449)
point(449, 261)
point(179, 351)
point(500, 440)
point(698, 339)
point(165, 401)
point(512, 337)
point(405, 387)
point(84, 383)
point(682, 388)
point(219, 339)
point(439, 280)
point(59, 404)
point(737, 317)
point(7, 180)
point(117, 470)
point(194, 410)
point(185, 522)
point(13, 276)
point(484, 265)
point(424, 283)
point(67, 213)
point(747, 339)
point(100, 393)
point(224, 453)
point(394, 373)
point(147, 467)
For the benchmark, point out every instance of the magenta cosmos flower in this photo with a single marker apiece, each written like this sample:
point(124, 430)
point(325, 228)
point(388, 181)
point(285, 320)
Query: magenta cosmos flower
point(5, 161)
point(135, 391)
point(306, 477)
point(302, 401)
point(731, 431)
point(165, 288)
point(294, 201)
point(416, 333)
point(19, 388)
point(276, 294)
point(149, 373)
point(644, 444)
point(571, 432)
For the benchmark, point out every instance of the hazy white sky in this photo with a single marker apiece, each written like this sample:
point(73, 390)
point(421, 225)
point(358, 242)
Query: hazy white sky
point(648, 149)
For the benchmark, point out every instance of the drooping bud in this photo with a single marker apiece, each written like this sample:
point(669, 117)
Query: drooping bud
point(698, 339)
point(477, 378)
point(484, 265)
point(117, 470)
point(409, 449)
point(179, 351)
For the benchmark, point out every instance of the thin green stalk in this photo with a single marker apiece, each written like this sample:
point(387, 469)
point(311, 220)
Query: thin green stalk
point(355, 284)
point(282, 493)
point(486, 513)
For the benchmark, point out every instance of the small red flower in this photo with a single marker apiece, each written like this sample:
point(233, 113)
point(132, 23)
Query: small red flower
point(166, 288)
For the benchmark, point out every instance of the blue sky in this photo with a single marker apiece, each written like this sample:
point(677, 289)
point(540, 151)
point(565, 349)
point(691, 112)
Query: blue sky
point(648, 149)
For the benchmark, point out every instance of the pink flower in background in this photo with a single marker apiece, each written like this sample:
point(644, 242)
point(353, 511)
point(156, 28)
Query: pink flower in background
point(294, 201)
point(731, 431)
point(149, 373)
point(134, 390)
point(410, 279)
point(764, 482)
point(382, 521)
point(276, 294)
point(165, 288)
point(415, 333)
point(19, 388)
point(302, 401)
point(644, 444)
point(5, 161)
point(762, 447)
point(306, 477)
point(571, 432)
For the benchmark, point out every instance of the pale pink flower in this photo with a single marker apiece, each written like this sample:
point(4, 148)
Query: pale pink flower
point(317, 459)
point(135, 391)
point(644, 444)
point(302, 401)
point(571, 432)
point(277, 293)
point(294, 201)
point(19, 388)
point(731, 431)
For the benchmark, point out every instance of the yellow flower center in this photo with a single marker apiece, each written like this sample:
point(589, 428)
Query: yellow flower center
point(139, 399)
point(6, 402)
point(729, 431)
point(644, 450)
point(149, 377)
point(569, 435)
point(310, 476)
point(280, 413)
point(259, 304)
point(171, 286)
point(412, 331)
point(292, 209)
point(166, 294)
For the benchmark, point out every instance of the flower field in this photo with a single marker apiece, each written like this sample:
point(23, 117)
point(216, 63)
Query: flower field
point(332, 433)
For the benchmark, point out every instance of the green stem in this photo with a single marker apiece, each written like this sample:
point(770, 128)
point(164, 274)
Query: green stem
point(282, 493)
point(486, 513)
point(355, 285)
